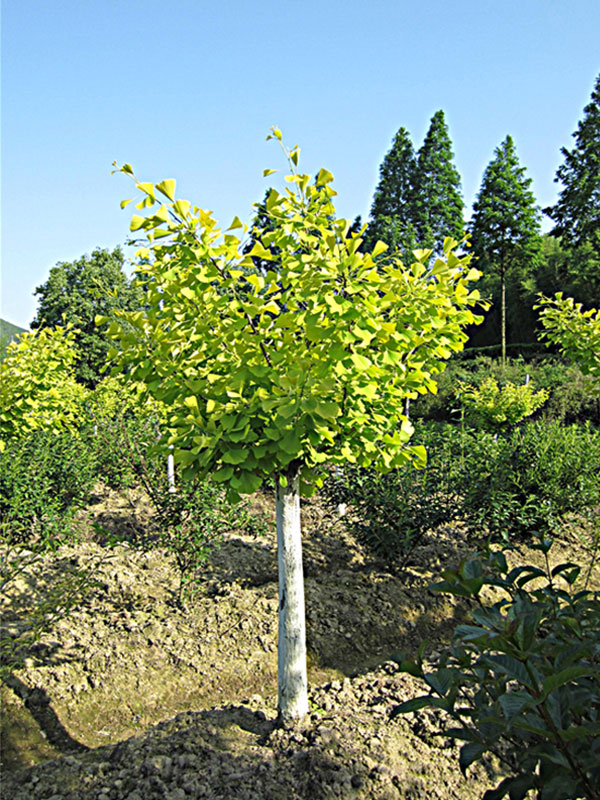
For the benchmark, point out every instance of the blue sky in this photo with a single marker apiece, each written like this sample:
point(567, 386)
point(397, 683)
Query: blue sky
point(188, 89)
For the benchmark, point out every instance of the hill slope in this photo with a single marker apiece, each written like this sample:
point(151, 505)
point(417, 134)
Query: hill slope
point(8, 332)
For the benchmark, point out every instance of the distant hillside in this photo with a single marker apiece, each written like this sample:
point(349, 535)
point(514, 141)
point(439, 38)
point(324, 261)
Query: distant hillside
point(8, 332)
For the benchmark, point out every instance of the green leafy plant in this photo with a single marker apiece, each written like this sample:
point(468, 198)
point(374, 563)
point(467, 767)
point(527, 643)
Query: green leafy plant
point(569, 397)
point(495, 408)
point(522, 678)
point(189, 517)
point(575, 331)
point(392, 512)
point(44, 478)
point(527, 481)
point(38, 390)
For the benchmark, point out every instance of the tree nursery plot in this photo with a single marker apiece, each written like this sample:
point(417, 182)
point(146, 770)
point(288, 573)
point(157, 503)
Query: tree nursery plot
point(430, 630)
point(137, 695)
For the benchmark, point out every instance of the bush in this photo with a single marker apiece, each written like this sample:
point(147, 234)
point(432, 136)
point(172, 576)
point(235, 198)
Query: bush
point(522, 679)
point(504, 487)
point(494, 408)
point(529, 480)
point(44, 478)
point(392, 512)
point(569, 399)
point(189, 517)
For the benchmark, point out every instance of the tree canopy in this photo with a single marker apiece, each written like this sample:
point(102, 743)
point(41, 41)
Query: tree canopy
point(577, 210)
point(38, 389)
point(575, 331)
point(76, 292)
point(392, 218)
point(438, 199)
point(505, 229)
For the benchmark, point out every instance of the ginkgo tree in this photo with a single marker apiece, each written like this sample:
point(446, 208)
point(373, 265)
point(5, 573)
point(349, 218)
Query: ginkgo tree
point(38, 389)
point(575, 331)
point(284, 372)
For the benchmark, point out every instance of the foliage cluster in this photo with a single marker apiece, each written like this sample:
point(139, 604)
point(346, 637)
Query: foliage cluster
point(522, 677)
point(189, 518)
point(79, 290)
point(417, 201)
point(507, 488)
point(575, 331)
point(44, 478)
point(494, 408)
point(301, 383)
point(569, 397)
point(38, 389)
point(392, 512)
point(513, 486)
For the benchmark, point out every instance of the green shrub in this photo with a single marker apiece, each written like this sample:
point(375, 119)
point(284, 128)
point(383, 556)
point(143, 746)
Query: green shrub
point(44, 478)
point(495, 408)
point(529, 480)
point(503, 487)
point(522, 678)
point(190, 517)
point(392, 512)
point(569, 399)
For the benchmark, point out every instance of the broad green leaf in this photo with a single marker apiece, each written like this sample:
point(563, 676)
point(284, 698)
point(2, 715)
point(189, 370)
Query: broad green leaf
point(323, 177)
point(222, 475)
point(167, 187)
point(235, 456)
point(565, 676)
point(327, 410)
point(510, 666)
point(469, 753)
point(236, 223)
point(411, 705)
point(513, 703)
point(184, 457)
point(136, 222)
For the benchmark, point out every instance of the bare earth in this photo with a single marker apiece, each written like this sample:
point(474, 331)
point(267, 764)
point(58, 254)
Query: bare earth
point(132, 698)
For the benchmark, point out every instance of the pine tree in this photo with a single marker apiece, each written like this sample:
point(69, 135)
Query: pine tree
point(505, 228)
point(439, 204)
point(392, 217)
point(577, 211)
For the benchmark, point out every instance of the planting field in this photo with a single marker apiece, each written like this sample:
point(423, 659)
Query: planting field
point(131, 696)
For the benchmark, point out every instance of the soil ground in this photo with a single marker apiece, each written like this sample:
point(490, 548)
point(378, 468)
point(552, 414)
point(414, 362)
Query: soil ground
point(130, 696)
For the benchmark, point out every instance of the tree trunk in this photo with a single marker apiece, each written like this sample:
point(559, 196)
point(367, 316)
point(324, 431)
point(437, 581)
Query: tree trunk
point(293, 688)
point(503, 313)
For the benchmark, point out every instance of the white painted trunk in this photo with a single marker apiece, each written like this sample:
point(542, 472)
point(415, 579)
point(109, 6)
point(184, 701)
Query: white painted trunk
point(293, 685)
point(340, 509)
point(171, 472)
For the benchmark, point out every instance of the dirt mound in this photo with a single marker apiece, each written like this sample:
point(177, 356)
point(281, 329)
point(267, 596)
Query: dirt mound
point(145, 700)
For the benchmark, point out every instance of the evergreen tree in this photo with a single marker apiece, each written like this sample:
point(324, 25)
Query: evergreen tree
point(575, 271)
point(76, 292)
point(392, 218)
point(505, 229)
point(577, 211)
point(438, 201)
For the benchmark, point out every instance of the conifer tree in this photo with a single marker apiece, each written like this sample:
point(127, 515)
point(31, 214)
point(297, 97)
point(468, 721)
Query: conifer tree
point(505, 227)
point(577, 211)
point(392, 217)
point(438, 200)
